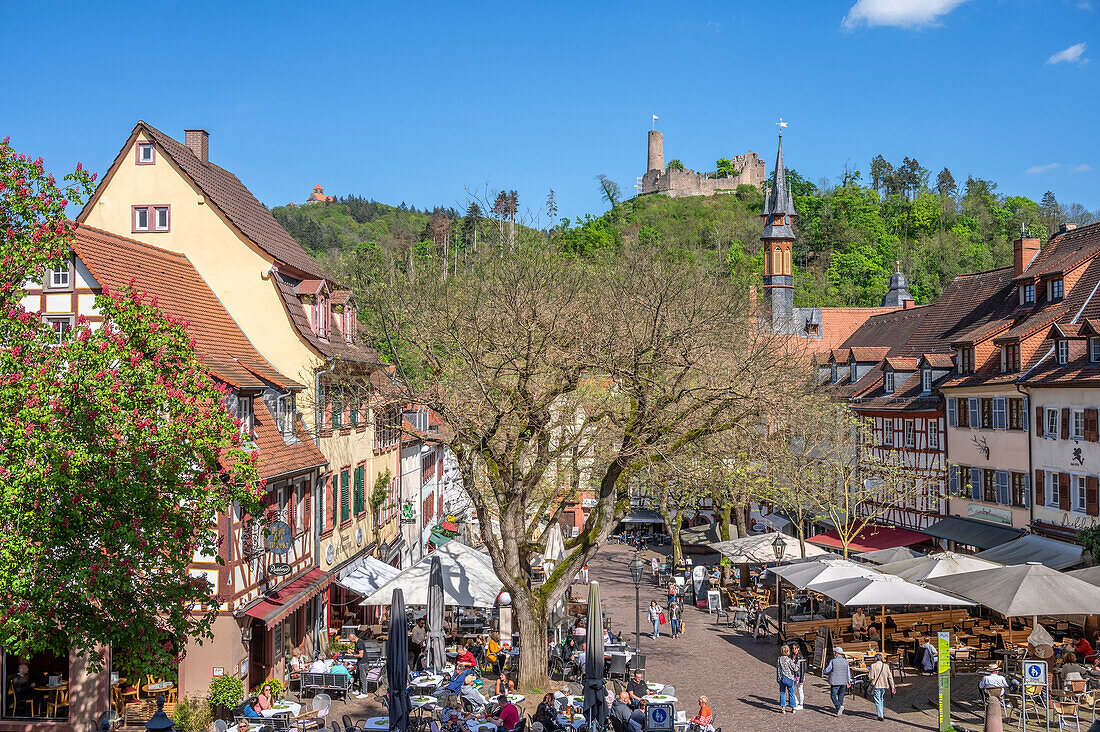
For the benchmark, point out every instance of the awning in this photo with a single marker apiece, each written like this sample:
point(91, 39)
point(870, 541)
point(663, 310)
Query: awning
point(449, 526)
point(290, 597)
point(366, 575)
point(1034, 548)
point(871, 537)
point(643, 516)
point(439, 539)
point(981, 534)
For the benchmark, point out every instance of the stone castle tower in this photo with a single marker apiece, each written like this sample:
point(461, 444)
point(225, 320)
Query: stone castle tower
point(778, 239)
point(679, 183)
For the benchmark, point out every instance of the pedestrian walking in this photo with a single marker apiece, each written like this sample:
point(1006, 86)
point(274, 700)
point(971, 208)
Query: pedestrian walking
point(655, 618)
point(584, 574)
point(674, 618)
point(785, 672)
point(656, 569)
point(800, 677)
point(881, 678)
point(671, 592)
point(839, 675)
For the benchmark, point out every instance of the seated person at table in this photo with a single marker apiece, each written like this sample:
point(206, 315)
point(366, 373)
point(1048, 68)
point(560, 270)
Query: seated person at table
point(493, 649)
point(504, 684)
point(455, 684)
point(620, 712)
point(636, 689)
point(930, 656)
point(547, 714)
point(319, 666)
point(859, 624)
point(298, 661)
point(703, 719)
point(508, 716)
point(339, 668)
point(872, 635)
point(636, 723)
point(470, 693)
point(582, 656)
point(248, 709)
point(477, 648)
point(465, 659)
point(993, 680)
point(1082, 647)
point(1069, 665)
point(452, 715)
point(24, 689)
point(266, 698)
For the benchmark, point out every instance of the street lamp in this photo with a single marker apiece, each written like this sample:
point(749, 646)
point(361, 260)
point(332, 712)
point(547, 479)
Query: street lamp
point(637, 568)
point(779, 547)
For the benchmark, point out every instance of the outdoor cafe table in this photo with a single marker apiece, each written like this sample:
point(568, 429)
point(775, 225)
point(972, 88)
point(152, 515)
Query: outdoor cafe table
point(576, 721)
point(157, 688)
point(475, 725)
point(282, 706)
point(420, 701)
point(376, 723)
point(432, 680)
point(653, 686)
point(660, 699)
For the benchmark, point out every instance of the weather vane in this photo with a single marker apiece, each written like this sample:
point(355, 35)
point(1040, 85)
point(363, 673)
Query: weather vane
point(781, 124)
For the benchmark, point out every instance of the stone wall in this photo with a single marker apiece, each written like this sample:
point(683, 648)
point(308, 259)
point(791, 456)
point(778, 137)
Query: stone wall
point(682, 183)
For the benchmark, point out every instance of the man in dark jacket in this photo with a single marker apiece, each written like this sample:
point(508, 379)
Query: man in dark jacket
point(636, 723)
point(620, 712)
point(839, 675)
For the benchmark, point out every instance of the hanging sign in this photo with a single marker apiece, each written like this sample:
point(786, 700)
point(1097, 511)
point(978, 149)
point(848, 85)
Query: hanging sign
point(279, 539)
point(278, 569)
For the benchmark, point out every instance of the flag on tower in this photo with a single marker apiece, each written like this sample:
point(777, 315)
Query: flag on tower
point(655, 118)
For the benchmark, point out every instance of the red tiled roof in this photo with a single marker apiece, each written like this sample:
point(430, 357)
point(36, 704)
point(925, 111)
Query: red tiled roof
point(339, 297)
point(226, 192)
point(939, 360)
point(115, 261)
point(310, 287)
point(903, 363)
point(1065, 252)
point(276, 455)
point(334, 347)
point(838, 324)
point(868, 353)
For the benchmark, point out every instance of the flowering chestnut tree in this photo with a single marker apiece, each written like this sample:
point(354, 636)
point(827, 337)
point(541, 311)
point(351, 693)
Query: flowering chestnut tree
point(116, 454)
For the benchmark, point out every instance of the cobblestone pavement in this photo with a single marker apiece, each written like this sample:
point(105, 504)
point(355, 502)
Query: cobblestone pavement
point(738, 674)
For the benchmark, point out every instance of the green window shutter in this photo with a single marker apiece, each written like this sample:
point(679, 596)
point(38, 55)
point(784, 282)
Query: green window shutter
point(344, 512)
point(332, 489)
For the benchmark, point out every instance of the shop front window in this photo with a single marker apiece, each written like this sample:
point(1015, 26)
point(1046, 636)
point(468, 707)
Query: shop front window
point(36, 687)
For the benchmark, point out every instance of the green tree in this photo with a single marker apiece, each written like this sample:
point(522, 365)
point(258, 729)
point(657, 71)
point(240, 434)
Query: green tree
point(674, 164)
point(609, 189)
point(724, 167)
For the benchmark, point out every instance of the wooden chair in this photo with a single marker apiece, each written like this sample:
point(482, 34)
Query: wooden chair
point(1066, 715)
point(58, 699)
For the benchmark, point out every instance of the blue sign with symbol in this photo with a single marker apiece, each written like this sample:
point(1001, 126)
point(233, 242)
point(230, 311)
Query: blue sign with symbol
point(658, 718)
point(1035, 672)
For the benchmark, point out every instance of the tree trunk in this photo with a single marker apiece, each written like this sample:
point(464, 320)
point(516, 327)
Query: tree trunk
point(530, 619)
point(723, 521)
point(742, 522)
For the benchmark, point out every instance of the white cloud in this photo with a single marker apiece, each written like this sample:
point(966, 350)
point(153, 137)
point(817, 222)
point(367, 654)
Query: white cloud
point(1082, 168)
point(1075, 54)
point(1084, 5)
point(900, 13)
point(1042, 168)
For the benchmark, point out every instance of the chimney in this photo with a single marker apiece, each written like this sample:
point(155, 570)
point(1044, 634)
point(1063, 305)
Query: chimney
point(906, 304)
point(199, 143)
point(1024, 250)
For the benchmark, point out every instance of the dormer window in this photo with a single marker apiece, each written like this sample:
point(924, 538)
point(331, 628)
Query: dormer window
point(888, 382)
point(966, 360)
point(1010, 358)
point(146, 153)
point(348, 326)
point(1094, 349)
point(59, 277)
point(244, 414)
point(926, 380)
point(1056, 291)
point(1027, 294)
point(1062, 348)
point(836, 373)
point(852, 372)
point(777, 220)
point(285, 413)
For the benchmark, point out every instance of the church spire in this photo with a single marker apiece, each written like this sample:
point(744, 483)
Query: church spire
point(778, 238)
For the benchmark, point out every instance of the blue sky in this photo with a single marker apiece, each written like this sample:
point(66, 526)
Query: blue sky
point(417, 102)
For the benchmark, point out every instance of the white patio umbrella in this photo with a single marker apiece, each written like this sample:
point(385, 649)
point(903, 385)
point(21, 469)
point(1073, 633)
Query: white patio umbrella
point(468, 579)
point(807, 575)
point(1023, 590)
point(886, 556)
point(884, 590)
point(937, 565)
point(555, 548)
point(759, 550)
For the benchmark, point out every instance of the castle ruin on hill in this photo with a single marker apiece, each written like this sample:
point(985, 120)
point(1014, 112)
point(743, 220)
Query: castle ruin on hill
point(680, 183)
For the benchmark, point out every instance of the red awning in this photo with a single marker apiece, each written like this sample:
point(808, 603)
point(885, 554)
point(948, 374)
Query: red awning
point(870, 538)
point(449, 526)
point(291, 596)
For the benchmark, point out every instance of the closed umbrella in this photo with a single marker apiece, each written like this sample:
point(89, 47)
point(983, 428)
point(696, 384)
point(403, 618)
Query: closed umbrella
point(397, 665)
point(434, 638)
point(595, 698)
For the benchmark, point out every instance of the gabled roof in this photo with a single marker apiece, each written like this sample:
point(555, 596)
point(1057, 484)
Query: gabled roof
point(868, 354)
point(116, 261)
point(310, 287)
point(1065, 252)
point(226, 193)
point(339, 297)
point(334, 347)
point(903, 363)
point(938, 360)
point(276, 455)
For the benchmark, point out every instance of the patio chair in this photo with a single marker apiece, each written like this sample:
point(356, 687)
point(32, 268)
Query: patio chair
point(220, 725)
point(336, 726)
point(740, 618)
point(668, 690)
point(1066, 714)
point(321, 703)
point(638, 663)
point(617, 668)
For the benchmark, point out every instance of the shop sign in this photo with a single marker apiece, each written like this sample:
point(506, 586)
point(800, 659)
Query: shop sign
point(278, 569)
point(217, 671)
point(992, 514)
point(279, 539)
point(1078, 522)
point(588, 503)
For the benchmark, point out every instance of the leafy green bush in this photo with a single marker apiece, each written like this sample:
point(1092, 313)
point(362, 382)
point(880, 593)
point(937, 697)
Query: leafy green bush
point(194, 714)
point(277, 688)
point(227, 690)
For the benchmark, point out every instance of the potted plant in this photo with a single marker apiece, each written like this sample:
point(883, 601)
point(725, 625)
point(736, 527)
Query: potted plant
point(226, 692)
